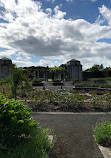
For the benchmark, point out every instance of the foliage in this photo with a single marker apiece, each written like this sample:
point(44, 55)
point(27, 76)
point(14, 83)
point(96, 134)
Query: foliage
point(38, 147)
point(55, 71)
point(97, 100)
point(15, 122)
point(102, 133)
point(58, 70)
point(102, 102)
point(17, 78)
point(95, 68)
point(19, 135)
point(99, 71)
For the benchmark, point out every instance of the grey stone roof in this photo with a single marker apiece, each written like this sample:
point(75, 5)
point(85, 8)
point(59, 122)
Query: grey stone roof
point(4, 58)
point(73, 60)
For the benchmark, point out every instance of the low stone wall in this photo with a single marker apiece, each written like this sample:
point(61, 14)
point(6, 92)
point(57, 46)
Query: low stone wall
point(87, 89)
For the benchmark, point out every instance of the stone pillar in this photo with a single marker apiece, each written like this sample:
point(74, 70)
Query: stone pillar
point(37, 74)
point(74, 69)
point(34, 74)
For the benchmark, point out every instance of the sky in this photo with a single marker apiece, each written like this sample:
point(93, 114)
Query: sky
point(52, 32)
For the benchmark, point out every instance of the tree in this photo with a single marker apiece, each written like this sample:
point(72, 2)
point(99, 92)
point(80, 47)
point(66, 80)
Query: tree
point(58, 70)
point(96, 70)
point(16, 78)
point(107, 72)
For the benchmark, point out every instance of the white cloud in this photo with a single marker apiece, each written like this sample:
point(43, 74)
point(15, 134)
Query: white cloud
point(28, 63)
point(100, 20)
point(21, 63)
point(52, 1)
point(32, 31)
point(45, 63)
point(49, 11)
point(106, 13)
point(23, 56)
point(58, 14)
point(7, 53)
point(93, 0)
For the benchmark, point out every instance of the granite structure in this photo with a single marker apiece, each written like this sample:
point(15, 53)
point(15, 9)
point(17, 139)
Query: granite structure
point(40, 73)
point(5, 67)
point(74, 70)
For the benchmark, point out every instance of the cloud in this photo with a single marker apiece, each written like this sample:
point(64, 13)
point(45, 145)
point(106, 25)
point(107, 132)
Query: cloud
point(7, 53)
point(45, 63)
point(31, 30)
point(93, 0)
point(27, 63)
point(21, 63)
point(106, 13)
point(58, 14)
point(100, 20)
point(52, 1)
point(23, 56)
point(69, 0)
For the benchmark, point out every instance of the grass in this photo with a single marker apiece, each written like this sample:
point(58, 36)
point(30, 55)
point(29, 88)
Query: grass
point(102, 133)
point(38, 147)
point(50, 80)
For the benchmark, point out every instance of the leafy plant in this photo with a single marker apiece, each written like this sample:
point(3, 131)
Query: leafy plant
point(16, 78)
point(102, 133)
point(38, 147)
point(15, 122)
point(20, 136)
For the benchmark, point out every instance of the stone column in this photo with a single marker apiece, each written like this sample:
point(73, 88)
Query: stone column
point(37, 74)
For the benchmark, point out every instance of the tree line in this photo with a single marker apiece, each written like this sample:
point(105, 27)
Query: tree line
point(99, 71)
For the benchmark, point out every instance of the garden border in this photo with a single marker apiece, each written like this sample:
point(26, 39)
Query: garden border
point(106, 152)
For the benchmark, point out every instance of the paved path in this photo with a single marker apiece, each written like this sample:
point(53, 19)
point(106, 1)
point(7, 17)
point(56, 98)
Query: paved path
point(74, 133)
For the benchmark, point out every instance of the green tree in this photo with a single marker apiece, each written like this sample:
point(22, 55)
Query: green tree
point(107, 72)
point(58, 70)
point(97, 70)
point(16, 78)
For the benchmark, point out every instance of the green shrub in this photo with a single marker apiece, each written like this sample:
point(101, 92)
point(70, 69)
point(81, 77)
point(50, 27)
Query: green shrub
point(20, 137)
point(38, 147)
point(102, 133)
point(15, 122)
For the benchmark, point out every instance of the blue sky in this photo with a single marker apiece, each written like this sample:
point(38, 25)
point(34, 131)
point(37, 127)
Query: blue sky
point(51, 32)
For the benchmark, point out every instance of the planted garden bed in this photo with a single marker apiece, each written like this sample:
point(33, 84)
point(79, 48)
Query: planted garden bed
point(62, 100)
point(46, 100)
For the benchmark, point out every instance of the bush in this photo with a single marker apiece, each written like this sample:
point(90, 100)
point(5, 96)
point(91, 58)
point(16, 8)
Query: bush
point(19, 135)
point(15, 122)
point(38, 147)
point(102, 133)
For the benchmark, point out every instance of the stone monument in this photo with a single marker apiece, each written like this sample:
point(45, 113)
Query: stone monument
point(5, 64)
point(74, 70)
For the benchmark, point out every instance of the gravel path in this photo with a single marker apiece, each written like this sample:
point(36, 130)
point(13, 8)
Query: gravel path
point(74, 132)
